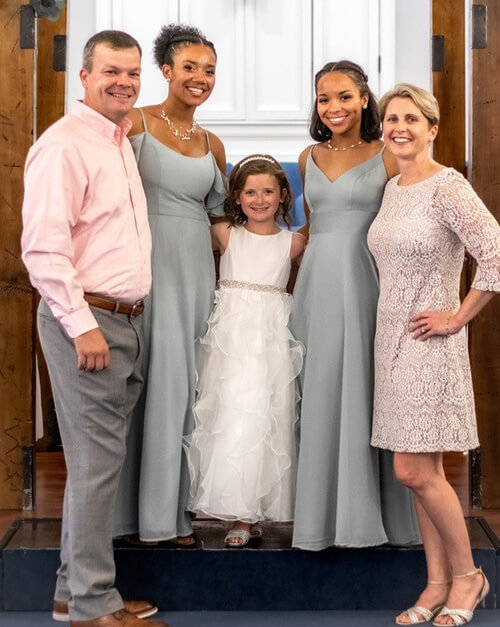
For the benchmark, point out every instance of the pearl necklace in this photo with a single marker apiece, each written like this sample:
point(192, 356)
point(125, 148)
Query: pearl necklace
point(332, 147)
point(178, 132)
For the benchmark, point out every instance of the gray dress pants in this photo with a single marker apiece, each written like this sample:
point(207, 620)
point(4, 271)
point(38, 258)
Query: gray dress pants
point(93, 413)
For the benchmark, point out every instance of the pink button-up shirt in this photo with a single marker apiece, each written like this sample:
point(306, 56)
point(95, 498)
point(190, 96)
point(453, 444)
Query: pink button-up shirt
point(85, 217)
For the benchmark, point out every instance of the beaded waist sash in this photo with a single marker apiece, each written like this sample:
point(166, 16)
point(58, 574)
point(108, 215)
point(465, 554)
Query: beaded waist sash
point(257, 287)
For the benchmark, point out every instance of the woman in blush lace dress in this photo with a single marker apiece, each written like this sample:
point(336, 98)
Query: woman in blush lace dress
point(423, 390)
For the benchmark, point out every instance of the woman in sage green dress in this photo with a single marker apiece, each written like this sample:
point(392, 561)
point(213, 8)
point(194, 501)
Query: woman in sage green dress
point(181, 167)
point(346, 491)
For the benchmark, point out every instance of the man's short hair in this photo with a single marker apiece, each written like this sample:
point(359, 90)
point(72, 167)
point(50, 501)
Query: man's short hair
point(115, 39)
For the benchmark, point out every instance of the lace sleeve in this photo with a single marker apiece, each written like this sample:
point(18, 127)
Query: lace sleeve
point(462, 211)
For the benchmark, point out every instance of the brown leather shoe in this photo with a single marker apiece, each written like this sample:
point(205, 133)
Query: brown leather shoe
point(117, 619)
point(141, 609)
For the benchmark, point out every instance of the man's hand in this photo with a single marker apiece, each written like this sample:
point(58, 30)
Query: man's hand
point(92, 351)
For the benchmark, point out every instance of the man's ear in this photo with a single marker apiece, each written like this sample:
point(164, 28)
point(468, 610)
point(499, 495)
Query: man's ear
point(83, 76)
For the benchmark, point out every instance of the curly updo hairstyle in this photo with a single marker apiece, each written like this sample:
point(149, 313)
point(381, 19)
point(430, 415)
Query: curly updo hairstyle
point(172, 38)
point(370, 120)
point(256, 164)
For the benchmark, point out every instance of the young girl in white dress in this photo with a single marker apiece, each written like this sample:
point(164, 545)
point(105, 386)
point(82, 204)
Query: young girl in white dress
point(242, 452)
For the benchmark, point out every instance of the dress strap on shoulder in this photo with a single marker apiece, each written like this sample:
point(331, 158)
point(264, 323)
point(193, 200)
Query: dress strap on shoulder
point(144, 120)
point(208, 141)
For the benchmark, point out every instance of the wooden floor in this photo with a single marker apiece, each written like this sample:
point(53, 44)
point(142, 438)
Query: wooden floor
point(51, 476)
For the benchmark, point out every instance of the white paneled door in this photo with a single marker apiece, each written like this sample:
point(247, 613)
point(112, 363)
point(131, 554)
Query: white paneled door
point(278, 59)
point(223, 23)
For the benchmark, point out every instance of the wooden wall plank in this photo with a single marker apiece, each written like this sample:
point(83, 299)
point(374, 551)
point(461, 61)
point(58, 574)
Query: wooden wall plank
point(50, 107)
point(50, 84)
point(485, 328)
point(16, 296)
point(449, 85)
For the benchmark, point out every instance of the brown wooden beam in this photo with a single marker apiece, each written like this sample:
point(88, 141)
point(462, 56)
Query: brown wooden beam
point(50, 107)
point(448, 84)
point(485, 328)
point(16, 295)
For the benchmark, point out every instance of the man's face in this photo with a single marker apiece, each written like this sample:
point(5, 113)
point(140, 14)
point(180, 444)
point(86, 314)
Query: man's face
point(112, 85)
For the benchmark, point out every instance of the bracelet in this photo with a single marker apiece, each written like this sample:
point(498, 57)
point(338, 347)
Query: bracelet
point(447, 330)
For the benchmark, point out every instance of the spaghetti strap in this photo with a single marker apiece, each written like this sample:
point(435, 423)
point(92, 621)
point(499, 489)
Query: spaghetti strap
point(144, 120)
point(208, 142)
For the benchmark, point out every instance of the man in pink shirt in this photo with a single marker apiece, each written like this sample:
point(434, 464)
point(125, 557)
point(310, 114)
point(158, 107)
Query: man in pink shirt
point(86, 243)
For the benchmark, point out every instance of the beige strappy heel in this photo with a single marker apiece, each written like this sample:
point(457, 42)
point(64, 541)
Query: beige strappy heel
point(460, 616)
point(419, 614)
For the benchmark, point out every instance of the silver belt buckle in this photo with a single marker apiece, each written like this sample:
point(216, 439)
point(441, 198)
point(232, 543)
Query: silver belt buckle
point(136, 305)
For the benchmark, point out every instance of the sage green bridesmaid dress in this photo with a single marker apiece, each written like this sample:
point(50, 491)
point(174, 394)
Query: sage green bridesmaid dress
point(347, 494)
point(180, 191)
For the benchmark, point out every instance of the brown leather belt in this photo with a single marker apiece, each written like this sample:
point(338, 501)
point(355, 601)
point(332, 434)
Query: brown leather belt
point(115, 306)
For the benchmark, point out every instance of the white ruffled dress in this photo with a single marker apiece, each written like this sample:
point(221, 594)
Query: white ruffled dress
point(242, 453)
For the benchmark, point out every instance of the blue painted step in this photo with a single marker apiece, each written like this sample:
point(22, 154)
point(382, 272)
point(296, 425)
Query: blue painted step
point(483, 618)
point(270, 576)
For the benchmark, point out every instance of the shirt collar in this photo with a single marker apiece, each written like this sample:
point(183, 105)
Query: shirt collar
point(100, 123)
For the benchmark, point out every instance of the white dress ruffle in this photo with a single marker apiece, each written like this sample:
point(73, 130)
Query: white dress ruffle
point(242, 452)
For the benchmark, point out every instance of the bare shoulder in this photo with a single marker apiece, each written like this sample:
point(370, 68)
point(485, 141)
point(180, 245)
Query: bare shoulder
point(303, 157)
point(298, 245)
point(220, 233)
point(305, 153)
point(218, 151)
point(137, 124)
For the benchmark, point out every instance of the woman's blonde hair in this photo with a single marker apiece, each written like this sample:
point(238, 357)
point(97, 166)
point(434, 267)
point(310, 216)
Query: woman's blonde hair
point(422, 99)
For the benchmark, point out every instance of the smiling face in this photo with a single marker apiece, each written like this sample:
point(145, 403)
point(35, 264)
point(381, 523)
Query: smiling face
point(407, 132)
point(192, 75)
point(340, 103)
point(112, 85)
point(260, 198)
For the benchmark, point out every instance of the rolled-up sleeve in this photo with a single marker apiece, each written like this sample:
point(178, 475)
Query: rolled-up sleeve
point(54, 196)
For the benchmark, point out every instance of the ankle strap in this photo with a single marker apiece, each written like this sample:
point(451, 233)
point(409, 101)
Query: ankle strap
point(476, 571)
point(435, 582)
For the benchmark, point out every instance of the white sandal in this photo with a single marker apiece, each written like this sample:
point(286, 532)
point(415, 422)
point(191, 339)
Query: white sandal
point(419, 614)
point(233, 535)
point(460, 616)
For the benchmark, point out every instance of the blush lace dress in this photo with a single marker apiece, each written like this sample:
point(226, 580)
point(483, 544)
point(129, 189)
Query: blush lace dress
point(423, 390)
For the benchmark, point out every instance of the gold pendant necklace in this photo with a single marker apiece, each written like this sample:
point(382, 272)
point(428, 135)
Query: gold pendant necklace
point(332, 147)
point(178, 132)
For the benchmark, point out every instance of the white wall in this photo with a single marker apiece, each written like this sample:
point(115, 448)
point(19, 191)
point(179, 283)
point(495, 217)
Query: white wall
point(413, 43)
point(268, 53)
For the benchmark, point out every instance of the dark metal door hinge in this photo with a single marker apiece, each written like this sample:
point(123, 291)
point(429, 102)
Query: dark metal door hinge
point(28, 474)
point(438, 53)
point(27, 27)
point(59, 63)
point(479, 26)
